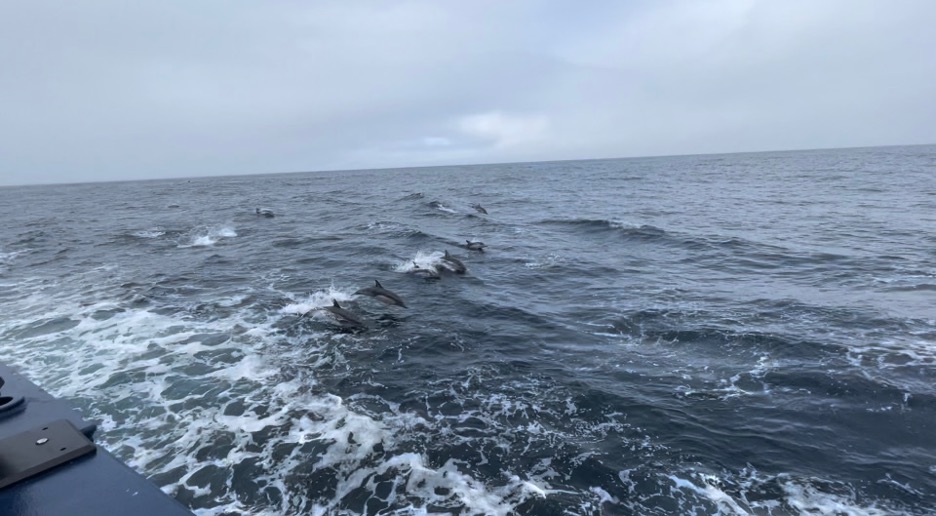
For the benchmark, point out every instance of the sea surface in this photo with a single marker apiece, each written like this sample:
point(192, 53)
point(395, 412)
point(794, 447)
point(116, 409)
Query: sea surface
point(733, 334)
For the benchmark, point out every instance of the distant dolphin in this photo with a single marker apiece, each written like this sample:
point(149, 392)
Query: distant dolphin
point(424, 272)
point(475, 246)
point(479, 208)
point(265, 212)
point(344, 317)
point(381, 294)
point(453, 264)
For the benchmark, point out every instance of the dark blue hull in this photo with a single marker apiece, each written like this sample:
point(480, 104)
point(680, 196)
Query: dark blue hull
point(50, 466)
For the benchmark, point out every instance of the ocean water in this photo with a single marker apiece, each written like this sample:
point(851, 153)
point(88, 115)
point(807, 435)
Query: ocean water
point(734, 334)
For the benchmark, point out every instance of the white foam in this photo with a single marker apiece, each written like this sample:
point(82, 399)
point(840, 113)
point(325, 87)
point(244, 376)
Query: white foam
point(149, 233)
point(6, 258)
point(802, 495)
point(709, 491)
point(604, 496)
point(226, 232)
point(623, 224)
point(202, 241)
point(250, 368)
point(232, 301)
point(315, 301)
point(171, 403)
point(894, 352)
point(441, 207)
point(809, 500)
point(545, 262)
point(430, 260)
point(206, 236)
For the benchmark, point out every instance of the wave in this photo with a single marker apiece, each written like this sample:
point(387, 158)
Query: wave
point(301, 242)
point(588, 364)
point(220, 399)
point(919, 287)
point(392, 229)
point(37, 236)
point(749, 491)
point(469, 444)
point(722, 252)
point(602, 225)
point(898, 278)
point(549, 261)
point(7, 258)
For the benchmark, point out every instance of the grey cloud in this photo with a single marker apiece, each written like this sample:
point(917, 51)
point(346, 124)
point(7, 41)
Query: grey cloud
point(113, 90)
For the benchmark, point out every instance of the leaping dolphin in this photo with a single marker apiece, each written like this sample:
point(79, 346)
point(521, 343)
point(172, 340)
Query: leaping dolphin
point(265, 212)
point(381, 294)
point(424, 272)
point(475, 246)
point(478, 208)
point(344, 317)
point(453, 264)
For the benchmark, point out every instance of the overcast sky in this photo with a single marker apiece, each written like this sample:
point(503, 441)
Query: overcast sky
point(102, 90)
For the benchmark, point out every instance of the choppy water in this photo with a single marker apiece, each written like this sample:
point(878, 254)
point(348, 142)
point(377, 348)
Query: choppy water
point(751, 333)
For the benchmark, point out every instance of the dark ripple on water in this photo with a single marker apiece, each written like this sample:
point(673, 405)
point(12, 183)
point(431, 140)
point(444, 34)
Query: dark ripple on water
point(650, 336)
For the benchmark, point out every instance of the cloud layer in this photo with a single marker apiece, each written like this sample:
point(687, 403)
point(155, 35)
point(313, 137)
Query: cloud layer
point(105, 90)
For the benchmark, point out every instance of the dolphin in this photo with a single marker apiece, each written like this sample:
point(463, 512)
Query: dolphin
point(441, 207)
point(476, 246)
point(424, 272)
point(265, 212)
point(344, 317)
point(381, 294)
point(478, 208)
point(453, 264)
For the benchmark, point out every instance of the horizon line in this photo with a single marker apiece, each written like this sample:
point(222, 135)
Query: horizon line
point(480, 164)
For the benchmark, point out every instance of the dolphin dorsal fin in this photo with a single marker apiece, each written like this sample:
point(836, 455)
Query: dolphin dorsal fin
point(378, 284)
point(335, 303)
point(446, 253)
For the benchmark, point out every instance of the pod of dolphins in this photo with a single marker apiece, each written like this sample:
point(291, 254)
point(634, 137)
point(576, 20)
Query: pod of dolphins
point(347, 319)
